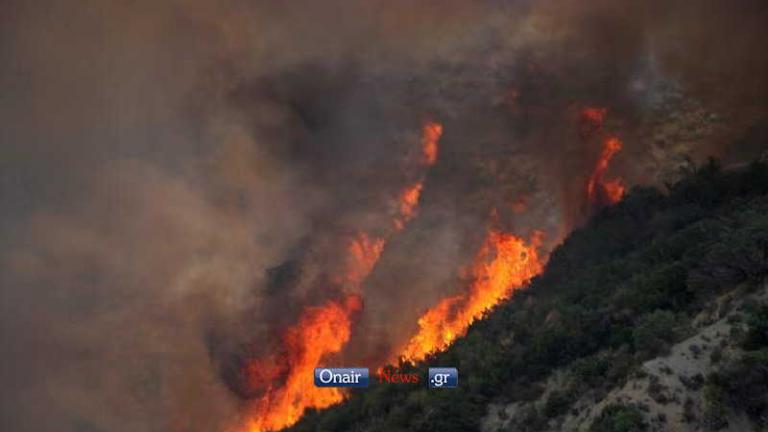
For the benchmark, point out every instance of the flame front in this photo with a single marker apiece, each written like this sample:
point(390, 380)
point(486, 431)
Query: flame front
point(612, 189)
point(321, 330)
point(504, 263)
point(324, 330)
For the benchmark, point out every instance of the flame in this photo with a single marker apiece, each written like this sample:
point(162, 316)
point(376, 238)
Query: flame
point(612, 189)
point(321, 330)
point(503, 264)
point(409, 199)
point(430, 135)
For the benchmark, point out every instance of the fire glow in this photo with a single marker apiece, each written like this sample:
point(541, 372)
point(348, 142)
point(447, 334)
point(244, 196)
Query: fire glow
point(612, 189)
point(430, 136)
point(503, 264)
point(601, 191)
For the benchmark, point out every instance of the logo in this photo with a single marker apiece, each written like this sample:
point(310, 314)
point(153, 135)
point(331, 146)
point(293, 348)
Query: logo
point(341, 377)
point(394, 376)
point(443, 377)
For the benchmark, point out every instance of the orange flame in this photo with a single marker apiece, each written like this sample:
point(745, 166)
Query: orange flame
point(430, 135)
point(409, 197)
point(407, 203)
point(503, 264)
point(612, 189)
point(321, 330)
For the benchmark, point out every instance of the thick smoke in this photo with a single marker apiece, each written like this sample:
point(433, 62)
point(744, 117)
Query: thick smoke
point(178, 178)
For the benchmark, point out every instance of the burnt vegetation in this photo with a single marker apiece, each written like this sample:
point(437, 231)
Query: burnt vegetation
point(617, 292)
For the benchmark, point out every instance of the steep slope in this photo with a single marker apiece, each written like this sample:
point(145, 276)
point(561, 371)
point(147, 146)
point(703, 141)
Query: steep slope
point(672, 391)
point(651, 317)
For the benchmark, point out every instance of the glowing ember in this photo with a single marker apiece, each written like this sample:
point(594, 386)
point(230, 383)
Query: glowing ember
point(430, 135)
point(321, 330)
point(503, 264)
point(597, 187)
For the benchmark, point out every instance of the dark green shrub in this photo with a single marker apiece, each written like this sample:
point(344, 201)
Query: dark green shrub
point(757, 335)
point(741, 385)
point(619, 418)
point(655, 332)
point(558, 403)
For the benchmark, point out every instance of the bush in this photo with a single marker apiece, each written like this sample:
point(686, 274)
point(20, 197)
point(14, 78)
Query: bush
point(757, 336)
point(529, 420)
point(591, 370)
point(619, 418)
point(654, 333)
point(714, 410)
point(557, 404)
point(741, 385)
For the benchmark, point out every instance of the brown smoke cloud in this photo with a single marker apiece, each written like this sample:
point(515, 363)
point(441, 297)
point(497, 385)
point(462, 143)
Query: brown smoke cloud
point(158, 158)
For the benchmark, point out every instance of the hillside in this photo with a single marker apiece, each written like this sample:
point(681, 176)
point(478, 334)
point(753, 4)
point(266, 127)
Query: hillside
point(653, 316)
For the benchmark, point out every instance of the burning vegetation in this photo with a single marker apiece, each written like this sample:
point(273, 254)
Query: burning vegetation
point(503, 264)
point(599, 189)
point(321, 330)
point(324, 330)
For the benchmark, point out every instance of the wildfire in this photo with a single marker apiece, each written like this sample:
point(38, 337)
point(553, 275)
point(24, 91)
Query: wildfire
point(504, 263)
point(321, 330)
point(612, 189)
point(324, 330)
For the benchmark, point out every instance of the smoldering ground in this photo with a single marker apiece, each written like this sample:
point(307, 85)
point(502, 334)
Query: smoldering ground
point(159, 157)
